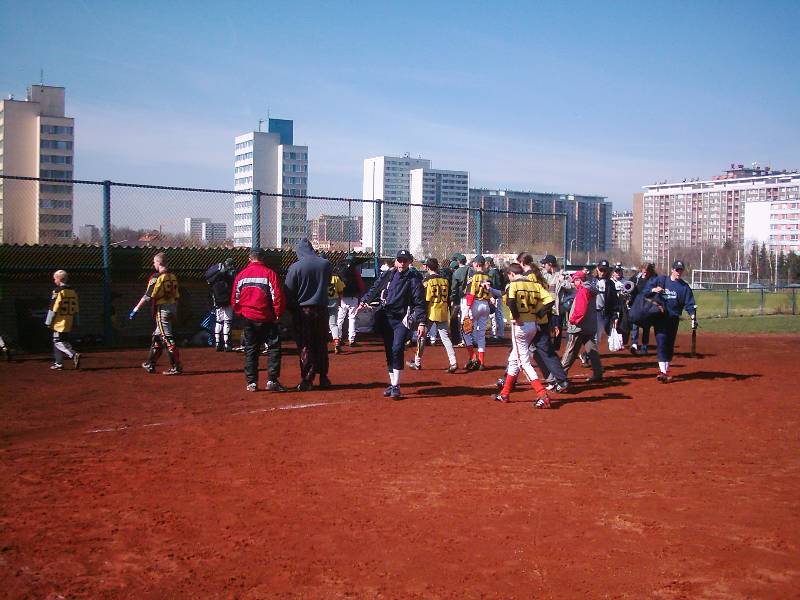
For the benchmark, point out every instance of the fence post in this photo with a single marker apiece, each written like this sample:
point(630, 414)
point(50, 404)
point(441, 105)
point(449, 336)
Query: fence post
point(794, 301)
point(378, 212)
point(255, 232)
point(566, 239)
point(479, 231)
point(762, 301)
point(727, 303)
point(108, 330)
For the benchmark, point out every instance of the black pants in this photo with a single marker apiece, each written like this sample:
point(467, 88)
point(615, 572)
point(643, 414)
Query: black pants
point(394, 334)
point(557, 321)
point(544, 355)
point(255, 335)
point(666, 329)
point(311, 335)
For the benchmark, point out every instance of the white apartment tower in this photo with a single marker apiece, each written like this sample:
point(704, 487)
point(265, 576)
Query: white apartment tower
point(270, 162)
point(431, 227)
point(36, 140)
point(386, 225)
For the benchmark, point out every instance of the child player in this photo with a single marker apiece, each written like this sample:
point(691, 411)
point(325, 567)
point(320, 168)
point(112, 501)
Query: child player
point(526, 305)
point(335, 289)
point(475, 306)
point(162, 291)
point(60, 318)
point(437, 294)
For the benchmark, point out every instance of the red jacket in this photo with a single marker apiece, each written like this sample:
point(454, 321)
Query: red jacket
point(257, 294)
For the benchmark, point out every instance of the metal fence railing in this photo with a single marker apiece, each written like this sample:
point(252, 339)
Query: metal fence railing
point(747, 302)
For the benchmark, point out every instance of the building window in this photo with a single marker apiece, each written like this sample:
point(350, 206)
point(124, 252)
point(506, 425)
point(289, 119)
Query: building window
point(56, 130)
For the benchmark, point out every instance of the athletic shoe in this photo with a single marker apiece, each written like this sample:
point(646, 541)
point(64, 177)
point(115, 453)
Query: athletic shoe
point(432, 342)
point(352, 343)
point(501, 381)
point(663, 378)
point(395, 393)
point(150, 368)
point(500, 398)
point(173, 371)
point(275, 386)
point(304, 386)
point(542, 402)
point(634, 349)
point(324, 383)
point(220, 348)
point(337, 349)
point(471, 365)
point(56, 367)
point(76, 360)
point(594, 379)
point(460, 345)
point(252, 387)
point(452, 369)
point(561, 387)
point(412, 365)
point(227, 348)
point(643, 351)
point(388, 391)
point(585, 364)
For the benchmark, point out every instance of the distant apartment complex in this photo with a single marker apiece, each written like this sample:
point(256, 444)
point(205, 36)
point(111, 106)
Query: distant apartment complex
point(431, 228)
point(388, 178)
point(204, 230)
point(89, 234)
point(621, 230)
point(270, 162)
point(774, 219)
point(693, 213)
point(36, 140)
point(335, 232)
point(588, 220)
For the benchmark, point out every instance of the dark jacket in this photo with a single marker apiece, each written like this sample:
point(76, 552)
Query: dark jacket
point(399, 295)
point(307, 280)
point(353, 283)
point(220, 279)
point(610, 297)
point(676, 296)
point(459, 284)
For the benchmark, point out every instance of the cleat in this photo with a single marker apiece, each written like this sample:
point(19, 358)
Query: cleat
point(150, 368)
point(352, 343)
point(412, 365)
point(542, 402)
point(56, 367)
point(634, 349)
point(471, 365)
point(76, 360)
point(395, 394)
point(452, 369)
point(304, 386)
point(173, 371)
point(501, 381)
point(562, 386)
point(275, 386)
point(663, 378)
point(252, 387)
point(432, 342)
point(388, 391)
point(220, 348)
point(500, 398)
point(337, 349)
point(324, 383)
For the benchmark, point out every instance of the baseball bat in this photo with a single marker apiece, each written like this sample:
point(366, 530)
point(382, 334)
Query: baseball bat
point(694, 336)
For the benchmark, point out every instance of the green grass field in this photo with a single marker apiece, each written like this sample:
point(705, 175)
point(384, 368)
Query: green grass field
point(718, 303)
point(765, 324)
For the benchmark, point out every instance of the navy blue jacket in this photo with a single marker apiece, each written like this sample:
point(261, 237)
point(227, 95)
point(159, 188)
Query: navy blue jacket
point(399, 294)
point(676, 296)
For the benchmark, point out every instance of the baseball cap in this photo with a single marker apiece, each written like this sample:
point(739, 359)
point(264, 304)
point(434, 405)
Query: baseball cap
point(459, 257)
point(479, 259)
point(405, 255)
point(578, 275)
point(454, 265)
point(549, 260)
point(678, 265)
point(603, 264)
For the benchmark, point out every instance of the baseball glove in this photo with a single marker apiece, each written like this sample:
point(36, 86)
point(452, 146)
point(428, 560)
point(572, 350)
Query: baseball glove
point(466, 325)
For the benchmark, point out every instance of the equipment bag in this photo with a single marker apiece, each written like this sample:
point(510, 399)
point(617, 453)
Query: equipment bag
point(645, 308)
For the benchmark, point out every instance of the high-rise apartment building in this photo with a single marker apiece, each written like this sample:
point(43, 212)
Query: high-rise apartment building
point(335, 228)
point(588, 221)
point(694, 212)
point(213, 232)
point(433, 230)
point(388, 178)
point(36, 140)
point(270, 162)
point(774, 219)
point(621, 229)
point(193, 227)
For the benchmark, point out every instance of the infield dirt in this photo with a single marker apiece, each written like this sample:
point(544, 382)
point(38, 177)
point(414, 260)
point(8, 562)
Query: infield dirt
point(119, 484)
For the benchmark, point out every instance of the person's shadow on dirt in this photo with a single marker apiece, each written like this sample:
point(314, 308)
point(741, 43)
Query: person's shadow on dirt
point(714, 375)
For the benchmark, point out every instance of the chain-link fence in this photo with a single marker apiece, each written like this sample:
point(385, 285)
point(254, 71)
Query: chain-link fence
point(746, 302)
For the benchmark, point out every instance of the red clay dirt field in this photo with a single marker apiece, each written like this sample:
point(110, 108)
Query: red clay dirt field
point(119, 484)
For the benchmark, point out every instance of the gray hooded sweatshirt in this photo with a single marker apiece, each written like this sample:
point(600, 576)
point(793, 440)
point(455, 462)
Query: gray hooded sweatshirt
point(308, 279)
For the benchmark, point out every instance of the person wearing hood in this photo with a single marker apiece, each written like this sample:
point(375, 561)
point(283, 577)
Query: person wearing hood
point(219, 277)
point(354, 288)
point(306, 285)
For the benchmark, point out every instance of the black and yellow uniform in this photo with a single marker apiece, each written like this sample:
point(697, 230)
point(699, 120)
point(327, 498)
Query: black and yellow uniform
point(476, 288)
point(437, 293)
point(163, 291)
point(61, 319)
point(523, 298)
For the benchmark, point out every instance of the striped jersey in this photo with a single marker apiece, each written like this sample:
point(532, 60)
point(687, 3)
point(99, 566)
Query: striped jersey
point(437, 292)
point(63, 309)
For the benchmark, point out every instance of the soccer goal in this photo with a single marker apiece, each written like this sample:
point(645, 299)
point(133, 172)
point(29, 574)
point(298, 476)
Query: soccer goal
point(708, 279)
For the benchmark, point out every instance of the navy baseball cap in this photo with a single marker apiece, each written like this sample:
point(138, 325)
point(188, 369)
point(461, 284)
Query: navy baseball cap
point(479, 259)
point(405, 255)
point(678, 265)
point(549, 260)
point(603, 264)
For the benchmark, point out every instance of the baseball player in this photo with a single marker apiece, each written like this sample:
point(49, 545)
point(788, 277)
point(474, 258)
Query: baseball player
point(677, 296)
point(437, 293)
point(402, 307)
point(162, 292)
point(335, 289)
point(6, 350)
point(526, 305)
point(220, 279)
point(353, 289)
point(475, 306)
point(62, 315)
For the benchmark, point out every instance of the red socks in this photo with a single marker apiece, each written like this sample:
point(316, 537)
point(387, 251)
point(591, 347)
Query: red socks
point(480, 356)
point(538, 387)
point(508, 385)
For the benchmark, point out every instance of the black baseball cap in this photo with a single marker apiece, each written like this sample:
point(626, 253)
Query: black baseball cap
point(603, 264)
point(549, 260)
point(479, 259)
point(405, 255)
point(678, 265)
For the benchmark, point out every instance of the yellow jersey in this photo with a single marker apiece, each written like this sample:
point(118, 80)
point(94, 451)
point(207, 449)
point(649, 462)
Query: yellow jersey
point(63, 309)
point(531, 297)
point(437, 292)
point(163, 288)
point(335, 289)
point(476, 288)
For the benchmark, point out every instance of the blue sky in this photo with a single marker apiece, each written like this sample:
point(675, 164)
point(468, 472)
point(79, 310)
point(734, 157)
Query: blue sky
point(570, 97)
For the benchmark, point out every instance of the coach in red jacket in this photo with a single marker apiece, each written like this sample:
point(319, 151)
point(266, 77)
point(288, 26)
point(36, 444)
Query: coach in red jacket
point(257, 297)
